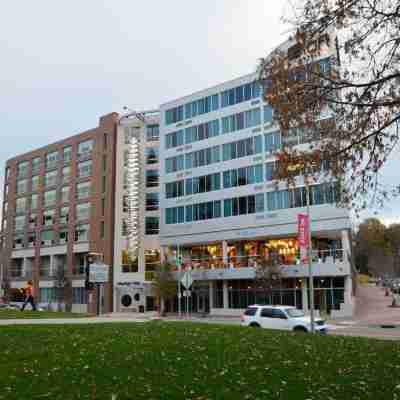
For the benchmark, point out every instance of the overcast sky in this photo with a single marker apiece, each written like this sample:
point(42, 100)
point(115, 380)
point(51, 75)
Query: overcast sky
point(65, 63)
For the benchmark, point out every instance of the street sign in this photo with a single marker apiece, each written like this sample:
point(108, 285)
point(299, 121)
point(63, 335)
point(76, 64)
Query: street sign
point(98, 273)
point(187, 279)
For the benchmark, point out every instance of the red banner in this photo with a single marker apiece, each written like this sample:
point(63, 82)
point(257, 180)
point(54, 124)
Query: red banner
point(302, 235)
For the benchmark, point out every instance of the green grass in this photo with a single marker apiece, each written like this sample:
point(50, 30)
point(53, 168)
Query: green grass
point(17, 314)
point(161, 360)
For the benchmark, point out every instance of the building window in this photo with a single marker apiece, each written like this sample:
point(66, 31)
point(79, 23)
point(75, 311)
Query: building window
point(32, 221)
point(5, 191)
point(268, 114)
point(239, 94)
point(47, 237)
point(242, 148)
point(31, 239)
point(272, 142)
point(102, 230)
point(174, 164)
point(82, 212)
point(174, 115)
point(20, 205)
point(103, 184)
point(244, 205)
point(64, 215)
point(82, 233)
point(124, 231)
point(174, 139)
point(65, 194)
point(35, 183)
point(19, 223)
point(242, 120)
point(85, 169)
point(51, 159)
point(203, 211)
point(83, 190)
point(67, 154)
point(63, 236)
point(152, 132)
point(152, 225)
point(203, 184)
point(243, 176)
point(151, 259)
point(151, 155)
point(151, 178)
point(85, 148)
point(22, 169)
point(35, 165)
point(202, 157)
point(152, 200)
point(8, 173)
point(50, 179)
point(66, 173)
point(48, 217)
point(174, 189)
point(202, 131)
point(18, 241)
point(22, 186)
point(104, 163)
point(175, 215)
point(48, 295)
point(129, 264)
point(34, 201)
point(79, 295)
point(202, 106)
point(103, 206)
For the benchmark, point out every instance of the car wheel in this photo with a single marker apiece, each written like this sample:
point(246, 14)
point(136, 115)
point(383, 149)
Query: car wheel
point(300, 329)
point(254, 325)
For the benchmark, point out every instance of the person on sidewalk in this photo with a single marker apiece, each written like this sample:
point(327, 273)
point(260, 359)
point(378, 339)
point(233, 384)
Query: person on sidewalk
point(28, 291)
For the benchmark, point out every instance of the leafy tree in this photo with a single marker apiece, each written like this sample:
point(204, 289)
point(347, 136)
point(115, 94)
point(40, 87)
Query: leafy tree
point(393, 237)
point(359, 86)
point(164, 285)
point(372, 251)
point(267, 275)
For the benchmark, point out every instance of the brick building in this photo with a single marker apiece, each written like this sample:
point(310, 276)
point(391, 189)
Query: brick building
point(58, 206)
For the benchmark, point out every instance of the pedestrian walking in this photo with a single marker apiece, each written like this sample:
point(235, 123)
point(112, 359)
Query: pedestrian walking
point(29, 296)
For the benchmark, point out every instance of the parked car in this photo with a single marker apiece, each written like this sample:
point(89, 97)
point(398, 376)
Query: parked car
point(280, 317)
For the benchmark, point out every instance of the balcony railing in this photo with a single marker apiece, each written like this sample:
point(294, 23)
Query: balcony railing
point(318, 256)
point(16, 272)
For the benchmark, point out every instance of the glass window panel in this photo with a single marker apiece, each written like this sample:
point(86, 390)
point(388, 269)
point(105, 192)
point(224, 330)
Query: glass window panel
point(227, 207)
point(259, 198)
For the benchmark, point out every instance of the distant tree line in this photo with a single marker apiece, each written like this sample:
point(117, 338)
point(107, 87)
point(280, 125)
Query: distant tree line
point(377, 248)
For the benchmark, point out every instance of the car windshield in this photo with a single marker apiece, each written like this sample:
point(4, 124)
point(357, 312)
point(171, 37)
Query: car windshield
point(294, 313)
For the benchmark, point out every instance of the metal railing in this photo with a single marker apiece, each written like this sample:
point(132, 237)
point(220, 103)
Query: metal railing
point(318, 256)
point(20, 273)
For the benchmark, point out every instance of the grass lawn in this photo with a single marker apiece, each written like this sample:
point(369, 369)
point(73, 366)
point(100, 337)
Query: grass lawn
point(17, 314)
point(162, 360)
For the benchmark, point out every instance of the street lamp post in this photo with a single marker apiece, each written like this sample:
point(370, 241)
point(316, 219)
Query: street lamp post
point(309, 256)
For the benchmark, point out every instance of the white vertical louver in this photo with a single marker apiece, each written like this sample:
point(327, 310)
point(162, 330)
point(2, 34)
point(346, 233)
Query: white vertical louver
point(133, 183)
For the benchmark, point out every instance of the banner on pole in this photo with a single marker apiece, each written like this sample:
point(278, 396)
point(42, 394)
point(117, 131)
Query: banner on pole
point(302, 235)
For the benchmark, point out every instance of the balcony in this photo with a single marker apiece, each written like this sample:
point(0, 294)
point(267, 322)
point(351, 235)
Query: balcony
point(325, 263)
point(21, 273)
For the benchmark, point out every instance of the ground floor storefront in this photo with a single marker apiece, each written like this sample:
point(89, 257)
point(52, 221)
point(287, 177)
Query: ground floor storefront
point(230, 297)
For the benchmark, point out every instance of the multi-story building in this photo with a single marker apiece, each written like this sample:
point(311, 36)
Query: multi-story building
point(221, 209)
point(136, 253)
point(59, 206)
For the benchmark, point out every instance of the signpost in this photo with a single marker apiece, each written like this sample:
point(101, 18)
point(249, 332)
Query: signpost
point(98, 274)
point(187, 282)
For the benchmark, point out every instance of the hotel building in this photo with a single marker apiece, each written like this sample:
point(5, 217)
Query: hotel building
point(221, 209)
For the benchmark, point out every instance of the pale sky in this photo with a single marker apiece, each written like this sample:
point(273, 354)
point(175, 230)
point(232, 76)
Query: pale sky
point(65, 63)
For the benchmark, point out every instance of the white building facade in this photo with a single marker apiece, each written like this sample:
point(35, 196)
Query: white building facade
point(220, 208)
point(136, 243)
